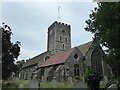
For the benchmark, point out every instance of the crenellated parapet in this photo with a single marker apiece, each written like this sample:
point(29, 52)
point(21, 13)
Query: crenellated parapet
point(58, 24)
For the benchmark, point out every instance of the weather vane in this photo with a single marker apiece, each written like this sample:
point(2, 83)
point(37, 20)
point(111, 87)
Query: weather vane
point(59, 12)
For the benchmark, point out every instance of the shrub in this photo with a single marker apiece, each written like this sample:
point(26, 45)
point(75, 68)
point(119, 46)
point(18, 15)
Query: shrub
point(92, 78)
point(8, 84)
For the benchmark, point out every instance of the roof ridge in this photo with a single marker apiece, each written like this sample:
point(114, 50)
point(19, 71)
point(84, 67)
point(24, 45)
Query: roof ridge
point(27, 63)
point(84, 47)
point(85, 43)
point(38, 55)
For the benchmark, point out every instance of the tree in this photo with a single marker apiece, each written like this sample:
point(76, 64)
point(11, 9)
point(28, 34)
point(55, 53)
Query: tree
point(10, 52)
point(104, 23)
point(92, 78)
point(19, 66)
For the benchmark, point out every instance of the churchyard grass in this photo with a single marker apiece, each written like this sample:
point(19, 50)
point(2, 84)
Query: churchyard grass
point(9, 84)
point(15, 84)
point(25, 83)
point(55, 85)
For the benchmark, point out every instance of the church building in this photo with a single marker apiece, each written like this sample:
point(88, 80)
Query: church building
point(60, 61)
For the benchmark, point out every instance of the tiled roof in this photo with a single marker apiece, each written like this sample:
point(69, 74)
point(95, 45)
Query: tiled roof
point(84, 47)
point(57, 59)
point(61, 57)
point(34, 60)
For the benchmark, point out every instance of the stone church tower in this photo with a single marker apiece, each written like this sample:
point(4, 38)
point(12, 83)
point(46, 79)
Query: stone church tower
point(59, 37)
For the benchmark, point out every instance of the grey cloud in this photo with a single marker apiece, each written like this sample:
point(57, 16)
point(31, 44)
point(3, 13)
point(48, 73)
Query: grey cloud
point(29, 22)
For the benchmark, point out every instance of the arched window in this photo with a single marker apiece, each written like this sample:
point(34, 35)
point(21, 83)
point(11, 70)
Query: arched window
point(96, 60)
point(76, 70)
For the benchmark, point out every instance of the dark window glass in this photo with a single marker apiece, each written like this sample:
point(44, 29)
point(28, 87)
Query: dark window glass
point(76, 70)
point(63, 47)
point(60, 38)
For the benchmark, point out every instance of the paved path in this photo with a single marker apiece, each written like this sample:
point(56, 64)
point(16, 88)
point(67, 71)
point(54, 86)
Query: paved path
point(34, 84)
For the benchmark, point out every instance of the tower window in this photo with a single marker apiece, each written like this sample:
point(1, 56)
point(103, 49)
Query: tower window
point(63, 46)
point(66, 39)
point(60, 38)
point(63, 31)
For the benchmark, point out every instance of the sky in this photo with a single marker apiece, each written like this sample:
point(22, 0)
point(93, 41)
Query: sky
point(29, 22)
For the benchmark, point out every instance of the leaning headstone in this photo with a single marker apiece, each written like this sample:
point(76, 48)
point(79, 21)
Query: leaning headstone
point(113, 87)
point(80, 84)
point(104, 80)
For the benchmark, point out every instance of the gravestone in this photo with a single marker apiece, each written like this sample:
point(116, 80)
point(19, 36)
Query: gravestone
point(34, 84)
point(21, 86)
point(70, 80)
point(104, 80)
point(113, 87)
point(80, 84)
point(54, 82)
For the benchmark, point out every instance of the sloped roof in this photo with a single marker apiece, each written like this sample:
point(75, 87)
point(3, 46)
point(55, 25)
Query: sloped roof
point(61, 57)
point(57, 59)
point(84, 47)
point(34, 60)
